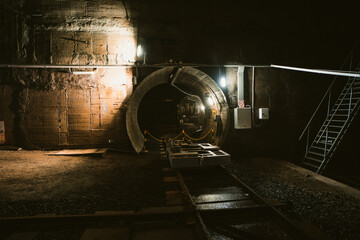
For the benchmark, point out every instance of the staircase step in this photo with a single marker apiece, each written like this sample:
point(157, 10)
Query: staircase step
point(332, 133)
point(323, 143)
point(348, 93)
point(332, 126)
point(323, 136)
point(313, 159)
point(334, 120)
point(315, 153)
point(311, 165)
point(344, 104)
point(342, 110)
point(347, 99)
point(318, 148)
point(338, 115)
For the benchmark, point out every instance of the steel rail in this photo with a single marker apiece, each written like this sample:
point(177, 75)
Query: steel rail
point(294, 230)
point(205, 232)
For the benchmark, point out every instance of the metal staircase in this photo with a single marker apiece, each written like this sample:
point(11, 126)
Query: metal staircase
point(333, 129)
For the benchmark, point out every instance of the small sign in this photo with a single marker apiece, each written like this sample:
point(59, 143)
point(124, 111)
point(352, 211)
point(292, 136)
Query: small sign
point(2, 132)
point(241, 103)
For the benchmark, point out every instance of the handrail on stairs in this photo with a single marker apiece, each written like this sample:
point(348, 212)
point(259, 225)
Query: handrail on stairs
point(349, 56)
point(317, 109)
point(342, 99)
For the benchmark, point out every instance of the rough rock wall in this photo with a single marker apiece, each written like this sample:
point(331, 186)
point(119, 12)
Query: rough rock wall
point(55, 107)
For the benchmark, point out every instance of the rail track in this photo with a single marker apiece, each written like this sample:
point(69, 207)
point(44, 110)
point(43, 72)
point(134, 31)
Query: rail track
point(226, 208)
point(202, 203)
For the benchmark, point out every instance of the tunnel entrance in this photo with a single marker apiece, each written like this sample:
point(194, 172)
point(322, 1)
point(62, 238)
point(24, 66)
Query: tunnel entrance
point(172, 99)
point(166, 111)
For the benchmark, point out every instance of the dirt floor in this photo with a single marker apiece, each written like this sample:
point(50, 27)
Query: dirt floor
point(35, 183)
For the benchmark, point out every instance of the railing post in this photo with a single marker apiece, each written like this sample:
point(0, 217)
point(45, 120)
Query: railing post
point(327, 115)
point(327, 133)
point(329, 102)
point(307, 139)
point(350, 98)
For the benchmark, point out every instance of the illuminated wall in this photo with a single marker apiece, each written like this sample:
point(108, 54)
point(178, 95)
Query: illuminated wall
point(55, 107)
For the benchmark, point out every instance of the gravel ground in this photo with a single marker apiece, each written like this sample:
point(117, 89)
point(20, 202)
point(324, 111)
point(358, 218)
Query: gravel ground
point(34, 183)
point(332, 207)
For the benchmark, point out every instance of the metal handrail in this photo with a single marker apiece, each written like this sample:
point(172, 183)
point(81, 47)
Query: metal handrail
point(342, 99)
point(317, 109)
point(332, 83)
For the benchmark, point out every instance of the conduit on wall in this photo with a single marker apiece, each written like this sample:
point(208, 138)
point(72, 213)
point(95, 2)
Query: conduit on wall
point(189, 77)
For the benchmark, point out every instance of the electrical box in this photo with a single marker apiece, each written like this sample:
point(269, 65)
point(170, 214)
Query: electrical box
point(264, 113)
point(242, 118)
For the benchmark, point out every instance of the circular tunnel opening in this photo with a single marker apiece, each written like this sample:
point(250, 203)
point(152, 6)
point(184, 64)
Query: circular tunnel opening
point(172, 99)
point(166, 111)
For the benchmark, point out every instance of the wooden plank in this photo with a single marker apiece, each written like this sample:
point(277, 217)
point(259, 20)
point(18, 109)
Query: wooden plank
point(174, 199)
point(76, 152)
point(170, 179)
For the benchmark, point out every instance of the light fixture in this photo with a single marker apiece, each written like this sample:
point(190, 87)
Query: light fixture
point(77, 72)
point(210, 101)
point(202, 107)
point(139, 51)
point(83, 73)
point(223, 82)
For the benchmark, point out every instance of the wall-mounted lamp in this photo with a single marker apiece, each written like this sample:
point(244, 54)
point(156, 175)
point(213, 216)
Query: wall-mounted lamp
point(139, 51)
point(223, 82)
point(209, 99)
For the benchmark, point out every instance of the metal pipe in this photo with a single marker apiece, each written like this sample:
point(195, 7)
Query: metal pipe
point(327, 72)
point(63, 66)
point(253, 95)
point(51, 66)
point(240, 84)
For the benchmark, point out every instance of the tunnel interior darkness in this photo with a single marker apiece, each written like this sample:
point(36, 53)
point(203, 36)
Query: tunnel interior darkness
point(165, 110)
point(158, 110)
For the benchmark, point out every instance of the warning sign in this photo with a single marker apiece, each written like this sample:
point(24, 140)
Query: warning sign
point(241, 103)
point(2, 132)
